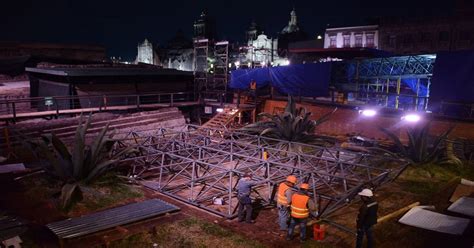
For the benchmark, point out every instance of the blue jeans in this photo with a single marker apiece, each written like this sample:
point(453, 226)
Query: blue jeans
point(283, 215)
point(360, 237)
point(302, 222)
point(245, 208)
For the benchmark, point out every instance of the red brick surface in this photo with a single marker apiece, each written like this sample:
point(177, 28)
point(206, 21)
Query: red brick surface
point(348, 121)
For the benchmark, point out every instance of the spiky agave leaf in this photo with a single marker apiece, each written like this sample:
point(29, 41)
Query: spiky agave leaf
point(67, 192)
point(80, 147)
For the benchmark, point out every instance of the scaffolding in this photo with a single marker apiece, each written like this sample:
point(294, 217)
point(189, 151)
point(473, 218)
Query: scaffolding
point(199, 165)
point(201, 55)
point(394, 82)
point(221, 67)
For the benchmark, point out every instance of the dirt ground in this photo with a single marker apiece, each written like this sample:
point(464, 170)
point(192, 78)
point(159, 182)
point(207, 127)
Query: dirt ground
point(265, 231)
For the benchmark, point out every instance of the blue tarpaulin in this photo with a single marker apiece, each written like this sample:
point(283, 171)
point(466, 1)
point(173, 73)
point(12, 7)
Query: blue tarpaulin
point(453, 77)
point(302, 79)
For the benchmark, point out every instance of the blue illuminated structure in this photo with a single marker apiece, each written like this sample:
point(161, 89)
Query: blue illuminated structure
point(393, 82)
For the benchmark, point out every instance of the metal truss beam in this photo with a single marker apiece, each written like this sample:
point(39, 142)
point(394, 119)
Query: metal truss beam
point(199, 165)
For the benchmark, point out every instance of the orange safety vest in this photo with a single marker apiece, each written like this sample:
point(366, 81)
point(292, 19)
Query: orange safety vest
point(299, 206)
point(282, 194)
point(253, 85)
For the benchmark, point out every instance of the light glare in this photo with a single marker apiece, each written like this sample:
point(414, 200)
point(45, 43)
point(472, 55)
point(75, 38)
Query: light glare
point(368, 112)
point(411, 118)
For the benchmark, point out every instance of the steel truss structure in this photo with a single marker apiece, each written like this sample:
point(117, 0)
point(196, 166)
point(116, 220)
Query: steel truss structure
point(200, 165)
point(201, 55)
point(383, 81)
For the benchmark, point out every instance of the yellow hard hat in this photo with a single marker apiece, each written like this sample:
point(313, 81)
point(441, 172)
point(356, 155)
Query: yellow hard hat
point(291, 179)
point(304, 186)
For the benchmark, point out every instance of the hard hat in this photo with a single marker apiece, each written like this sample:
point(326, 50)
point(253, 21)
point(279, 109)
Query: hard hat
point(366, 192)
point(291, 179)
point(304, 186)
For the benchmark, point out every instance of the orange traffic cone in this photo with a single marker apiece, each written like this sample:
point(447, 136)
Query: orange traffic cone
point(318, 232)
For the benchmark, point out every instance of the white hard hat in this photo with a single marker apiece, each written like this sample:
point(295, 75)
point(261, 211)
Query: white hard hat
point(366, 192)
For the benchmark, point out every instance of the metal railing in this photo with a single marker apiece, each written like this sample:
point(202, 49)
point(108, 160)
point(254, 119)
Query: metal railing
point(12, 109)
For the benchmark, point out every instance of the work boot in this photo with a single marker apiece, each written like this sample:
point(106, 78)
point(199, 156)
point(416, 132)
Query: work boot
point(288, 238)
point(250, 221)
point(302, 240)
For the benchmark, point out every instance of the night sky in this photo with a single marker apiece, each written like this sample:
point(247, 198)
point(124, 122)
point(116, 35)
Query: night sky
point(120, 24)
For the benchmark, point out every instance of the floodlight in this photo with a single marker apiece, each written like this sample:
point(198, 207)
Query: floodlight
point(368, 112)
point(220, 110)
point(411, 117)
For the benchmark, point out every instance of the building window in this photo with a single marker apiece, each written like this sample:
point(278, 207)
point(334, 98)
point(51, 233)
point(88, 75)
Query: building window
point(332, 41)
point(358, 40)
point(425, 37)
point(370, 40)
point(347, 40)
point(444, 36)
point(392, 40)
point(464, 35)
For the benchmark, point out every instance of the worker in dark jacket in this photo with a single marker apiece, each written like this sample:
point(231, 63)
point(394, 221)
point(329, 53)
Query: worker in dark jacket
point(244, 188)
point(367, 218)
point(301, 208)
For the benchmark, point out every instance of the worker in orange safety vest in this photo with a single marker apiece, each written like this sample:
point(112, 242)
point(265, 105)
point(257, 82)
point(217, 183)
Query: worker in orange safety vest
point(285, 192)
point(301, 207)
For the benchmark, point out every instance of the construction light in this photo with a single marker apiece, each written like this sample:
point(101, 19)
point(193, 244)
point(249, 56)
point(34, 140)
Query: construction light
point(219, 110)
point(319, 37)
point(237, 63)
point(249, 64)
point(230, 65)
point(368, 112)
point(285, 62)
point(411, 118)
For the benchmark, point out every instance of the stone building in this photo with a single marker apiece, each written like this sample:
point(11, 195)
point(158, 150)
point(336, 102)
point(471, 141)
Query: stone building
point(204, 27)
point(146, 54)
point(263, 50)
point(415, 35)
point(178, 53)
point(427, 35)
point(349, 37)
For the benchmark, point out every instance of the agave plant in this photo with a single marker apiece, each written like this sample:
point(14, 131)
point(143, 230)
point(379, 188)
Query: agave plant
point(421, 148)
point(293, 125)
point(84, 163)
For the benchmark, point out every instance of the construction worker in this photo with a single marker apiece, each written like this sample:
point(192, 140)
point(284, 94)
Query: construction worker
point(244, 188)
point(253, 89)
point(367, 218)
point(253, 85)
point(301, 207)
point(285, 192)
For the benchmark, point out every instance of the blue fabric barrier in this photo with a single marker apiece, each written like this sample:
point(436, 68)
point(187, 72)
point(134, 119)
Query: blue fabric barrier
point(302, 79)
point(453, 77)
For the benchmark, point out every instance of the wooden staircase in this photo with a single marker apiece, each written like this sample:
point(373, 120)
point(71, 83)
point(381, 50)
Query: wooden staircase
point(222, 119)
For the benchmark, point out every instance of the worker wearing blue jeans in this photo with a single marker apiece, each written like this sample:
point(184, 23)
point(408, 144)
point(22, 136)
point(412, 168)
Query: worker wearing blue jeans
point(244, 188)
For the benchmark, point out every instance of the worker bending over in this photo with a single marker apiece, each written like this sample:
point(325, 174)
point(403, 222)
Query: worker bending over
point(244, 188)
